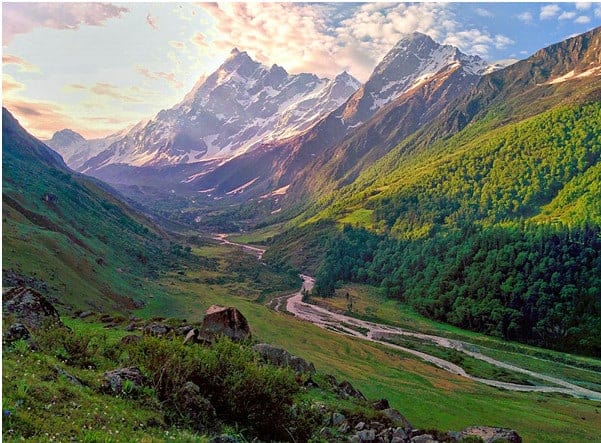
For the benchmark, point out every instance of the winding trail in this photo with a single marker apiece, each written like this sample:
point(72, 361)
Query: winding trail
point(378, 333)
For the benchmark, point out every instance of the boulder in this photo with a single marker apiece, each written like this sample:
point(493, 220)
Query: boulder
point(345, 389)
point(113, 381)
point(220, 320)
point(397, 419)
point(381, 404)
point(424, 438)
point(366, 435)
point(224, 438)
point(197, 409)
point(337, 418)
point(490, 434)
point(360, 426)
point(282, 358)
point(85, 314)
point(30, 308)
point(156, 329)
point(344, 427)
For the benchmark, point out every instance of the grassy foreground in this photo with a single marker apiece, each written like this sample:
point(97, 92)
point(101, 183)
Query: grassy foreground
point(428, 396)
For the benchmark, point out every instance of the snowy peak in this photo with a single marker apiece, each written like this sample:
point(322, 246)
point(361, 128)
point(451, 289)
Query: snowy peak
point(239, 106)
point(415, 59)
point(66, 137)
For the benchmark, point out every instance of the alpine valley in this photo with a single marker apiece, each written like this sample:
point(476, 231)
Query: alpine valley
point(289, 257)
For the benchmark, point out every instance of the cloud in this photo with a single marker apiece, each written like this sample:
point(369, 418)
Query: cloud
point(483, 12)
point(598, 12)
point(152, 22)
point(169, 77)
point(10, 85)
point(42, 119)
point(583, 6)
point(107, 90)
point(24, 65)
point(177, 44)
point(567, 15)
point(478, 42)
point(582, 19)
point(328, 38)
point(525, 17)
point(21, 18)
point(549, 11)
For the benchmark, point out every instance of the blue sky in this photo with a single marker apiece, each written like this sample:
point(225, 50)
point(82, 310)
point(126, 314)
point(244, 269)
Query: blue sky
point(97, 68)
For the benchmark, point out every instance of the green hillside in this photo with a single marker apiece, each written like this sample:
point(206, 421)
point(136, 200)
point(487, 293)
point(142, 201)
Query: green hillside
point(68, 232)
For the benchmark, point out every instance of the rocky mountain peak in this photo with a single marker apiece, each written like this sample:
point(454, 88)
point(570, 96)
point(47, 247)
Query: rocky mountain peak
point(67, 136)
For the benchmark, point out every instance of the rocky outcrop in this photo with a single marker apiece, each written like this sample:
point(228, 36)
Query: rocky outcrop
point(115, 381)
point(489, 434)
point(30, 308)
point(282, 358)
point(229, 322)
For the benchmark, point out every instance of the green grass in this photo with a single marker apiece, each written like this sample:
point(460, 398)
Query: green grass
point(428, 396)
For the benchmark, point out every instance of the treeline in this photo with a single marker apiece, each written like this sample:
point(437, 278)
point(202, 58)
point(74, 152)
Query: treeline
point(534, 283)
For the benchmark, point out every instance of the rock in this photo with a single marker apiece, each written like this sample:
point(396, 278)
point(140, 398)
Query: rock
point(282, 358)
point(131, 327)
point(491, 434)
point(424, 438)
point(115, 379)
point(337, 418)
point(397, 419)
point(344, 428)
point(11, 278)
point(85, 314)
point(377, 426)
point(49, 198)
point(397, 440)
point(400, 434)
point(196, 408)
point(157, 329)
point(16, 331)
point(130, 339)
point(220, 320)
point(106, 318)
point(354, 439)
point(366, 435)
point(360, 426)
point(347, 390)
point(70, 378)
point(29, 307)
point(381, 404)
point(184, 330)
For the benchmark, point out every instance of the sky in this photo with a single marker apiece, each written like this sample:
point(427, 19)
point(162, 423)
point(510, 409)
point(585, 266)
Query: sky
point(97, 68)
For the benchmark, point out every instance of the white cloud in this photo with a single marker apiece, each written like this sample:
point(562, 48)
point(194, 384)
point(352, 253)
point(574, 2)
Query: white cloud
point(583, 6)
point(21, 18)
point(598, 12)
point(582, 19)
point(483, 12)
point(525, 17)
point(567, 15)
point(549, 11)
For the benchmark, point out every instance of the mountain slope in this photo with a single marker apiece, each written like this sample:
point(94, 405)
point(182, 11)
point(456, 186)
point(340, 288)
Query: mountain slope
point(489, 216)
point(87, 248)
point(416, 79)
point(240, 105)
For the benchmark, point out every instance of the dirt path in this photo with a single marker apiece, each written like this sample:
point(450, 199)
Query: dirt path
point(376, 332)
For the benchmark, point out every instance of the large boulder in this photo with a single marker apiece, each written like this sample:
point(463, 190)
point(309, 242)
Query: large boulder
point(197, 410)
point(156, 329)
point(282, 358)
point(30, 308)
point(230, 322)
point(115, 381)
point(397, 419)
point(346, 390)
point(490, 434)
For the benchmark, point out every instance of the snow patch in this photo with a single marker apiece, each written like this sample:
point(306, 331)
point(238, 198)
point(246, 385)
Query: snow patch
point(243, 187)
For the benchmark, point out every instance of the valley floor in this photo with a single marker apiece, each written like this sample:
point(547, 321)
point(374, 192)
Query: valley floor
point(428, 395)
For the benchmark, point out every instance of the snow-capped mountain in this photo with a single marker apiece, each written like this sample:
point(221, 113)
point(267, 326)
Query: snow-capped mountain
point(76, 150)
point(240, 105)
point(415, 59)
point(414, 81)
